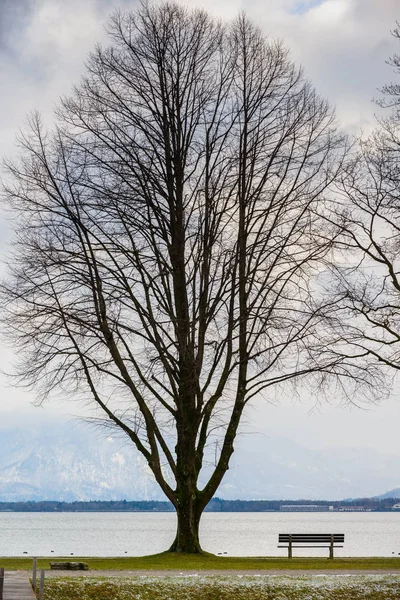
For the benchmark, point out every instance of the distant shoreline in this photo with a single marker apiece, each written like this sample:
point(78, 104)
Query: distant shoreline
point(216, 505)
point(388, 510)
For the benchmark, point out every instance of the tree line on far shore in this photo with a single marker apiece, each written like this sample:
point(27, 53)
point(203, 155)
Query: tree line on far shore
point(216, 505)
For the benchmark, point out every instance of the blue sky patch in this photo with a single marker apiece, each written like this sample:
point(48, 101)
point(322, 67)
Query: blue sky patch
point(303, 6)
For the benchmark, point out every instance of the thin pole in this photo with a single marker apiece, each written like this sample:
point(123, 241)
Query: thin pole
point(34, 573)
point(41, 589)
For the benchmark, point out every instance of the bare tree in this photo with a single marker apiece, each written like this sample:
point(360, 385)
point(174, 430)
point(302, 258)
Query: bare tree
point(369, 215)
point(391, 91)
point(169, 244)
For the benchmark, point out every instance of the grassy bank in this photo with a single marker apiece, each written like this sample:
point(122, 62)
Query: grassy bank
point(376, 587)
point(168, 561)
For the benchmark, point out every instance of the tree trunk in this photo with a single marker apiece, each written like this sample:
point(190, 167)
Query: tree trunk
point(187, 534)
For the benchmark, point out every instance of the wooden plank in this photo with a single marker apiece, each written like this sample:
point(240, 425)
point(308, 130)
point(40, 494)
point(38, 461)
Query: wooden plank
point(312, 535)
point(311, 541)
point(311, 538)
point(17, 587)
point(74, 566)
point(313, 546)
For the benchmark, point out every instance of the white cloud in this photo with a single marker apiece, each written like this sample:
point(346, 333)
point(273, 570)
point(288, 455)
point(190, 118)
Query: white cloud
point(329, 13)
point(343, 46)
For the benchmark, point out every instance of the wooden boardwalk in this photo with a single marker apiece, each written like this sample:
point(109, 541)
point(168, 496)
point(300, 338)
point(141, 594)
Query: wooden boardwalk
point(17, 587)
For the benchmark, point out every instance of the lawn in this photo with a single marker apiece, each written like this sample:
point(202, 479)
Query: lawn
point(234, 587)
point(169, 561)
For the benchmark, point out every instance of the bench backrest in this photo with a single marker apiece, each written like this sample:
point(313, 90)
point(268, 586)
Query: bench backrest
point(312, 538)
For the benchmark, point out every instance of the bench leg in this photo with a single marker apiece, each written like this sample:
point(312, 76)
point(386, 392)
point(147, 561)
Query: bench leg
point(331, 549)
point(290, 548)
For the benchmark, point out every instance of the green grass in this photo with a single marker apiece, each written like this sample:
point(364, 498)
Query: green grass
point(182, 562)
point(360, 587)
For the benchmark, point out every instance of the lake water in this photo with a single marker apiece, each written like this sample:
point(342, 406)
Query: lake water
point(237, 534)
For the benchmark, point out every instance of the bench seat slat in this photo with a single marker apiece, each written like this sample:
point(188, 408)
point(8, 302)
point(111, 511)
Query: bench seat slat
point(311, 537)
point(313, 546)
point(316, 535)
point(306, 539)
point(314, 541)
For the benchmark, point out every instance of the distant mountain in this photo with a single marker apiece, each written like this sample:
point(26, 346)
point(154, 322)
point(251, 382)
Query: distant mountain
point(60, 461)
point(71, 463)
point(273, 467)
point(390, 494)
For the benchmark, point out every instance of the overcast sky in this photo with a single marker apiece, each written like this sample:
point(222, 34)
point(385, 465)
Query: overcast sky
point(342, 45)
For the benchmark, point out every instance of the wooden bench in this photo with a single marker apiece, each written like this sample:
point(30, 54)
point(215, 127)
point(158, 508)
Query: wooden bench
point(311, 540)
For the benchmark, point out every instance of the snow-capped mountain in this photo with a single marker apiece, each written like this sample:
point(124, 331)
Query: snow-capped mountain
point(71, 463)
point(65, 461)
point(276, 468)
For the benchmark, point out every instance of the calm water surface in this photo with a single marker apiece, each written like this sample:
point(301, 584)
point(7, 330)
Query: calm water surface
point(237, 534)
